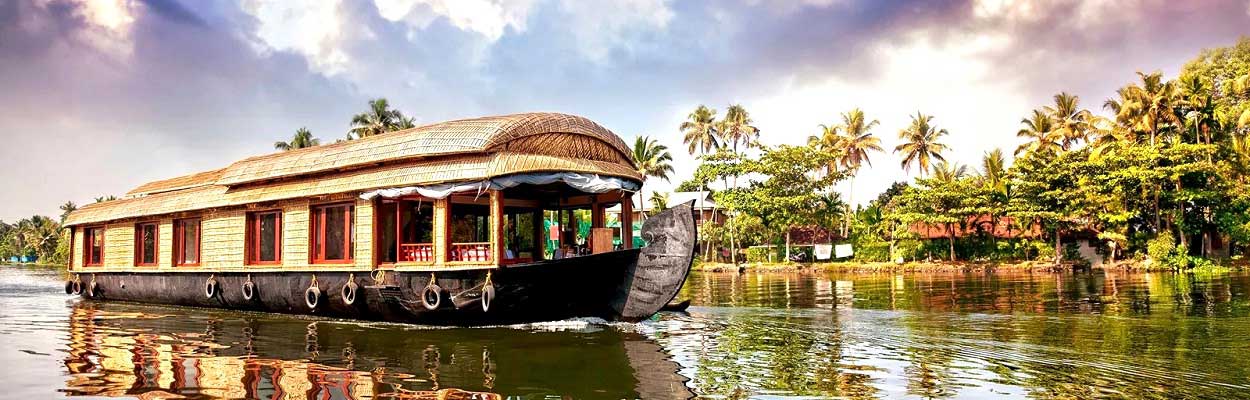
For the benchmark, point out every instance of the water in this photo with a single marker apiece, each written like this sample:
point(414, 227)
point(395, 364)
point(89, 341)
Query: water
point(765, 335)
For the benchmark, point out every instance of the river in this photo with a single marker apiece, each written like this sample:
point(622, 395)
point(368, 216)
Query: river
point(756, 335)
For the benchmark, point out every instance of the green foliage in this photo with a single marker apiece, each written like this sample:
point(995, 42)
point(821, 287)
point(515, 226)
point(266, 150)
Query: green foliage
point(1161, 249)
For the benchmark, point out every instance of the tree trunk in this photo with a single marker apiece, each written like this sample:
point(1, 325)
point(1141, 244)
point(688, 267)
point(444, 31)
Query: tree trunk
point(787, 245)
point(1058, 248)
point(950, 228)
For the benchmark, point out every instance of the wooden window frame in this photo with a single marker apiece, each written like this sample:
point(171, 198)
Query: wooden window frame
point(87, 240)
point(316, 235)
point(180, 247)
point(251, 245)
point(156, 244)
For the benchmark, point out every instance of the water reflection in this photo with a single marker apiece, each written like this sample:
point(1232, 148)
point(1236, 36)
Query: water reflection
point(1064, 335)
point(141, 351)
point(949, 335)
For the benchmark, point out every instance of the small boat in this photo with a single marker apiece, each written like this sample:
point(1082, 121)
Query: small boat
point(490, 220)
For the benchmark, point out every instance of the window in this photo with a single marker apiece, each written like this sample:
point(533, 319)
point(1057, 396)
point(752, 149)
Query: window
point(187, 242)
point(521, 227)
point(406, 229)
point(470, 231)
point(264, 238)
point(333, 233)
point(93, 246)
point(145, 244)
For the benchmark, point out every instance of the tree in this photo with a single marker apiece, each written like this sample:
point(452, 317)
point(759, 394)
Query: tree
point(921, 143)
point(1148, 107)
point(1039, 128)
point(659, 202)
point(379, 119)
point(66, 209)
point(699, 130)
point(830, 141)
point(1071, 122)
point(303, 138)
point(736, 127)
point(651, 159)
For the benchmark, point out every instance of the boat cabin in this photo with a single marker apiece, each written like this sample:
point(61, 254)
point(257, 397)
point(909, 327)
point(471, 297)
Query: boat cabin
point(477, 193)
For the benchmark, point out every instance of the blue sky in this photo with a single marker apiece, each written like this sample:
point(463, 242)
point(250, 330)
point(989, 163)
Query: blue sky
point(97, 97)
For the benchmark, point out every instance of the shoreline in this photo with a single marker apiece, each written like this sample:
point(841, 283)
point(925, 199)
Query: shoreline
point(945, 266)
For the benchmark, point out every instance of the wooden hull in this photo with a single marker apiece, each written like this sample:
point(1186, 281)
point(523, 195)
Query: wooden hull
point(618, 285)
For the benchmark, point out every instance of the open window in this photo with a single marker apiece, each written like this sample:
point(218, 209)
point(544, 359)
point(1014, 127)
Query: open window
point(187, 242)
point(469, 229)
point(406, 231)
point(146, 244)
point(333, 234)
point(522, 229)
point(93, 247)
point(264, 238)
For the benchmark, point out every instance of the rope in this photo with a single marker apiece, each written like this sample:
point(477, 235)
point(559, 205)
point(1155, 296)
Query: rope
point(314, 281)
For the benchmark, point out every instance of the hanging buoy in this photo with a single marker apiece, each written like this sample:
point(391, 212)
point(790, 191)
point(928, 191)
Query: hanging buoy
point(77, 284)
point(210, 287)
point(69, 287)
point(249, 288)
point(488, 293)
point(349, 290)
point(312, 296)
point(432, 296)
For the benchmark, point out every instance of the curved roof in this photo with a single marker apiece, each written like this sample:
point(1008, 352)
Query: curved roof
point(452, 137)
point(462, 150)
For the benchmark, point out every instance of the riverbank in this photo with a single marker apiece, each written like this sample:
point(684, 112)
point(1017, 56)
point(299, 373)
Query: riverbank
point(936, 266)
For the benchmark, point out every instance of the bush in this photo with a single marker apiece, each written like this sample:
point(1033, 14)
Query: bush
point(1045, 250)
point(1073, 254)
point(1160, 248)
point(757, 254)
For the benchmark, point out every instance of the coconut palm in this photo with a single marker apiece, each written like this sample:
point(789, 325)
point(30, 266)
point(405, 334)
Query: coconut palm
point(1071, 123)
point(1242, 85)
point(303, 138)
point(736, 127)
point(830, 141)
point(1148, 107)
point(379, 119)
point(994, 168)
point(652, 159)
point(66, 209)
point(699, 130)
point(659, 202)
point(949, 172)
point(858, 140)
point(921, 143)
point(1039, 128)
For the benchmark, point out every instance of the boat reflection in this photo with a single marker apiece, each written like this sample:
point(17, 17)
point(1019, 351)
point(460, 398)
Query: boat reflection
point(127, 350)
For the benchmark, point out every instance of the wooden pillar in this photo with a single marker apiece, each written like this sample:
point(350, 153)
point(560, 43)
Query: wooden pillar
point(376, 241)
point(627, 222)
point(442, 237)
point(496, 226)
point(540, 235)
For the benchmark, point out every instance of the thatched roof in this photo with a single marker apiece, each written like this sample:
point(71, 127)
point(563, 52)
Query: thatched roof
point(463, 150)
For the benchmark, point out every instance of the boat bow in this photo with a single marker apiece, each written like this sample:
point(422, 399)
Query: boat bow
point(654, 280)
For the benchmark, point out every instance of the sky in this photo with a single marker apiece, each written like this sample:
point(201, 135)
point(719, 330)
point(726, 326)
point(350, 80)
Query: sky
point(99, 96)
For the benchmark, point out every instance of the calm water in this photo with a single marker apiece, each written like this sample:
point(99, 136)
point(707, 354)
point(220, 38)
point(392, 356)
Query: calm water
point(948, 335)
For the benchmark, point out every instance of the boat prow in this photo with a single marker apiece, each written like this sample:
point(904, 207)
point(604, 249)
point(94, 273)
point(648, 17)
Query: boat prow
point(662, 266)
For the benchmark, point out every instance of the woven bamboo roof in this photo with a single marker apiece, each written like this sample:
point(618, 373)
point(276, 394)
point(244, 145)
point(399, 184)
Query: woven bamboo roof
point(463, 150)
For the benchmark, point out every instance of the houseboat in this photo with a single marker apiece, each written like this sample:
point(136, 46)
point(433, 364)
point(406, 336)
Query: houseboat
point(480, 221)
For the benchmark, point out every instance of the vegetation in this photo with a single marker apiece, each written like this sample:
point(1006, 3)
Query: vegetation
point(303, 138)
point(1159, 173)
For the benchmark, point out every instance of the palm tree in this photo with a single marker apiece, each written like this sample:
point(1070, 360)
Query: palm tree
point(830, 141)
point(994, 168)
point(651, 159)
point(1040, 130)
point(66, 209)
point(1148, 107)
point(700, 130)
point(921, 144)
point(857, 142)
point(379, 119)
point(659, 202)
point(736, 127)
point(949, 172)
point(1242, 85)
point(303, 138)
point(1071, 123)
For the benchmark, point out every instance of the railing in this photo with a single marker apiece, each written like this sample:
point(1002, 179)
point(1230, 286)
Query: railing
point(416, 252)
point(471, 251)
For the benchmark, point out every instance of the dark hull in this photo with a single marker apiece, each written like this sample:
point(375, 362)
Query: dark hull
point(618, 285)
